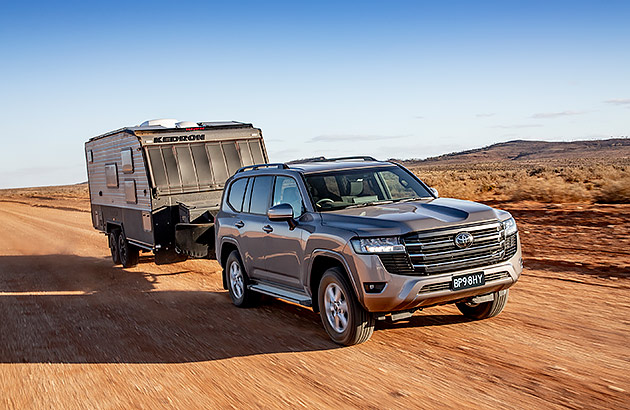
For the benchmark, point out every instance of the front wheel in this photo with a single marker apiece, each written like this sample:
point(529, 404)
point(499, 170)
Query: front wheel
point(486, 309)
point(344, 319)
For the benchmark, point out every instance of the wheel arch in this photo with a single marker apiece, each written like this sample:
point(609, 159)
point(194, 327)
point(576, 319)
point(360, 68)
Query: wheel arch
point(227, 246)
point(111, 226)
point(321, 261)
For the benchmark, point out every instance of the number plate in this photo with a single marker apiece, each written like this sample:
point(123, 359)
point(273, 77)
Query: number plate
point(470, 280)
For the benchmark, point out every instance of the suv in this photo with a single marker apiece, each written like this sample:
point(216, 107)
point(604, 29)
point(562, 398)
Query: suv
point(359, 240)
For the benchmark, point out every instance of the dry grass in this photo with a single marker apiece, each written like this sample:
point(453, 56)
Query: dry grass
point(557, 181)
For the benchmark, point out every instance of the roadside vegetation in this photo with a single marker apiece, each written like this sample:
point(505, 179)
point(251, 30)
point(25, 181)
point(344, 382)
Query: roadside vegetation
point(558, 181)
point(548, 181)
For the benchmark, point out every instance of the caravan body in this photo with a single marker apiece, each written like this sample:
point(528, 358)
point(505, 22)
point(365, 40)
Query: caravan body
point(157, 187)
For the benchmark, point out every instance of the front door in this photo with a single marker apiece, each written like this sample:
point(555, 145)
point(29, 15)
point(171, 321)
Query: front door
point(285, 251)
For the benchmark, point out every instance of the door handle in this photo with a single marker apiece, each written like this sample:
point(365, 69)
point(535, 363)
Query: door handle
point(267, 228)
point(239, 224)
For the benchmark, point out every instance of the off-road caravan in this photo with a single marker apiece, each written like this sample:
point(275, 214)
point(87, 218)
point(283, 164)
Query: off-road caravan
point(157, 187)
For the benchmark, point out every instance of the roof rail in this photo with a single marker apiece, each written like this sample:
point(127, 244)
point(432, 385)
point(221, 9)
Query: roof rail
point(362, 157)
point(324, 159)
point(313, 159)
point(258, 166)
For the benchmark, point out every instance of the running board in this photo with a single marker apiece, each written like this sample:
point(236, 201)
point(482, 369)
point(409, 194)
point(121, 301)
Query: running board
point(281, 293)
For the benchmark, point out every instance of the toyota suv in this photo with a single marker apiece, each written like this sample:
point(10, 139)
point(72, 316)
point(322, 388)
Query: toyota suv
point(360, 240)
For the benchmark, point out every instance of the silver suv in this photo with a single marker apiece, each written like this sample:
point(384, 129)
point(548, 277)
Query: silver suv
point(360, 240)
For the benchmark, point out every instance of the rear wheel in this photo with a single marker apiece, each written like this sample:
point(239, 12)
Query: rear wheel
point(113, 246)
point(344, 319)
point(486, 309)
point(129, 254)
point(237, 282)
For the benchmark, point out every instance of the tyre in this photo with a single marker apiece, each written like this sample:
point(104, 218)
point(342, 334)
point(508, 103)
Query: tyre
point(237, 281)
point(129, 254)
point(486, 309)
point(345, 320)
point(113, 246)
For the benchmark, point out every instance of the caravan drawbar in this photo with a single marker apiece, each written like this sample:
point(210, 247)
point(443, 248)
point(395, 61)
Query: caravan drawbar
point(157, 187)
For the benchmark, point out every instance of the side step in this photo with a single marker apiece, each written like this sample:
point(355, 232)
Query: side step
point(282, 293)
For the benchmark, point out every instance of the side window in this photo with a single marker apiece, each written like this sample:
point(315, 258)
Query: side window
point(286, 191)
point(111, 175)
point(126, 156)
point(261, 191)
point(237, 192)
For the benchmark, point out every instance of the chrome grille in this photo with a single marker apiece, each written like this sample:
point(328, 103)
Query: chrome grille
point(434, 252)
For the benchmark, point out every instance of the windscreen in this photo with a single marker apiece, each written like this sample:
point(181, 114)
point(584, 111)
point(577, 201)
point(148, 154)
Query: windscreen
point(361, 187)
point(194, 167)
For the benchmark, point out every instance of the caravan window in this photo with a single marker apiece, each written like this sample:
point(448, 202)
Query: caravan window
point(126, 156)
point(111, 175)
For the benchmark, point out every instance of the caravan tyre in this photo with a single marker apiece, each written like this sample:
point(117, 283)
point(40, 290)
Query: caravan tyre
point(129, 254)
point(113, 246)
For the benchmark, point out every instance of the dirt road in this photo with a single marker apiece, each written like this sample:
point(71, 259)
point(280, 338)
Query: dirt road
point(77, 332)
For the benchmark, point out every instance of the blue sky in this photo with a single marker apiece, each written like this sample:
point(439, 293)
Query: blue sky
point(388, 79)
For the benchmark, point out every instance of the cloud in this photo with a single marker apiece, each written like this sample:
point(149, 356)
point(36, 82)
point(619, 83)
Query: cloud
point(491, 114)
point(618, 101)
point(352, 137)
point(419, 117)
point(517, 126)
point(556, 114)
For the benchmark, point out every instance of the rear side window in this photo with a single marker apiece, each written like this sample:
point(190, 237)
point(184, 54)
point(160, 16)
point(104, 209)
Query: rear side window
point(237, 192)
point(260, 195)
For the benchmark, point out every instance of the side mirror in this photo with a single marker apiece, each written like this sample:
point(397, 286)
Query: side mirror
point(434, 192)
point(282, 212)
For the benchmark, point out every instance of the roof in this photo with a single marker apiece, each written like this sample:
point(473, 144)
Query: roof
point(312, 167)
point(158, 128)
point(319, 164)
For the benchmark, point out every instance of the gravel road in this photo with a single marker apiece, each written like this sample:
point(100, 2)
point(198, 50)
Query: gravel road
point(76, 332)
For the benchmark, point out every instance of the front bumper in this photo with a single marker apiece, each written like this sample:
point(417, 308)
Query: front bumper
point(405, 292)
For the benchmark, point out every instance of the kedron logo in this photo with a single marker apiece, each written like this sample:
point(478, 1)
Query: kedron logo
point(463, 240)
point(180, 138)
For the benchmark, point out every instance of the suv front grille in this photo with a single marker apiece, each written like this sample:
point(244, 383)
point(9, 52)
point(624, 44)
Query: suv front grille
point(433, 252)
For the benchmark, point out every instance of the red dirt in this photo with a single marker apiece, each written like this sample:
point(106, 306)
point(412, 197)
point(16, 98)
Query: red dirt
point(77, 332)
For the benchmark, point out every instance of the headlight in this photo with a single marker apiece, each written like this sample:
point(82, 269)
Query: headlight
point(377, 245)
point(510, 226)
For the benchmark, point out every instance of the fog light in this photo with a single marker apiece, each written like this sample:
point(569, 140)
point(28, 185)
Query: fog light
point(374, 287)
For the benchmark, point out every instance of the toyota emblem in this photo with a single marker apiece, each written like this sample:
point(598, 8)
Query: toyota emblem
point(463, 240)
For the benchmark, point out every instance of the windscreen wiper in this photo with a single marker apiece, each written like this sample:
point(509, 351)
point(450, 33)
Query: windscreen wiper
point(385, 201)
point(411, 199)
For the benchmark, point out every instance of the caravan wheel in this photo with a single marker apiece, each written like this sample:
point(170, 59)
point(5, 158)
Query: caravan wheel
point(129, 254)
point(113, 246)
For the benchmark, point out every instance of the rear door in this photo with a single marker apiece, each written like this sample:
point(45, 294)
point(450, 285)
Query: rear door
point(253, 221)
